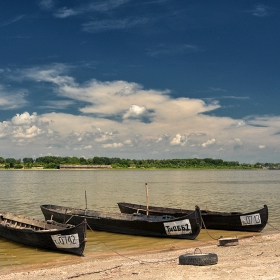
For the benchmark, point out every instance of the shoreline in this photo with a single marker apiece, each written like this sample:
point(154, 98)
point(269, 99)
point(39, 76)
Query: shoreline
point(255, 257)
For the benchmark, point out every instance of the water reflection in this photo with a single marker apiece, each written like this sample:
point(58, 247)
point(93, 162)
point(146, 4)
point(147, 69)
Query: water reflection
point(24, 191)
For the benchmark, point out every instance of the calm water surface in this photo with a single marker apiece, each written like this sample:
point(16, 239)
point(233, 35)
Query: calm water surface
point(22, 192)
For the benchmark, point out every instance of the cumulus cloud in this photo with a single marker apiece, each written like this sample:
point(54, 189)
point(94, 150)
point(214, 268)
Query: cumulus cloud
point(24, 119)
point(135, 111)
point(179, 140)
point(104, 137)
point(25, 129)
point(113, 117)
point(29, 132)
point(209, 142)
point(238, 141)
point(5, 129)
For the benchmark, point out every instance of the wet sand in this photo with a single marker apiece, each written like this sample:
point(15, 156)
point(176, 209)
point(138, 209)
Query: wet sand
point(256, 257)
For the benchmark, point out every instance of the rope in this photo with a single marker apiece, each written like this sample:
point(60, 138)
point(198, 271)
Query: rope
point(207, 229)
point(94, 272)
point(117, 266)
point(132, 259)
point(273, 227)
point(141, 262)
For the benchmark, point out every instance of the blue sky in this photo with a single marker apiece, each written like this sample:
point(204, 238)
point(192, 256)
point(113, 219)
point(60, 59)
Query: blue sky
point(140, 79)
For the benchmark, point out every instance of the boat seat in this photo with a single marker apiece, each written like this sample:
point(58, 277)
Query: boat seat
point(137, 214)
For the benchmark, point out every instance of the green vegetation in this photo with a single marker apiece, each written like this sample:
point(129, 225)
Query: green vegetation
point(52, 162)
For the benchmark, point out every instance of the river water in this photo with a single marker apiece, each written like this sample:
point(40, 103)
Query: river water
point(22, 192)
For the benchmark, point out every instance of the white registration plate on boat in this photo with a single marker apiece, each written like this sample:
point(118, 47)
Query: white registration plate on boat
point(178, 227)
point(248, 220)
point(66, 241)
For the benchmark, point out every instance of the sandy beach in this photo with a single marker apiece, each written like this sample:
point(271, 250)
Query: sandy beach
point(256, 257)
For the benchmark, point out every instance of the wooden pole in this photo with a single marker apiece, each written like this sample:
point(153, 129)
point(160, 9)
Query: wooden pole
point(86, 200)
point(147, 199)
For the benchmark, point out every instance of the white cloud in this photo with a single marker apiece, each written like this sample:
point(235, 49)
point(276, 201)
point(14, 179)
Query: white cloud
point(53, 74)
point(46, 4)
point(113, 145)
point(238, 145)
point(29, 132)
point(238, 141)
point(58, 104)
point(104, 137)
point(5, 129)
point(12, 20)
point(104, 6)
point(133, 122)
point(66, 12)
point(128, 142)
point(24, 129)
point(260, 11)
point(12, 99)
point(240, 123)
point(88, 147)
point(117, 24)
point(135, 111)
point(24, 119)
point(97, 6)
point(209, 142)
point(179, 140)
point(172, 50)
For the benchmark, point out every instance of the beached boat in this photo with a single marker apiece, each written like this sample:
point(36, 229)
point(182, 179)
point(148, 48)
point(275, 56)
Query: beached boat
point(48, 235)
point(185, 227)
point(252, 221)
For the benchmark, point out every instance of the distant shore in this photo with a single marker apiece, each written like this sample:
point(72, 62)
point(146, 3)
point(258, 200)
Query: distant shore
point(134, 169)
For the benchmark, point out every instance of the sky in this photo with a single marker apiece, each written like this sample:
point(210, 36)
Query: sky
point(149, 79)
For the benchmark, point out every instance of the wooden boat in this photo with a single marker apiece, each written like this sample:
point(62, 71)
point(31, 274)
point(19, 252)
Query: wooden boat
point(48, 235)
point(253, 221)
point(187, 227)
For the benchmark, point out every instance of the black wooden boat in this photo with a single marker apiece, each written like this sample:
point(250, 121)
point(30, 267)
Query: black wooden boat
point(185, 227)
point(48, 235)
point(252, 221)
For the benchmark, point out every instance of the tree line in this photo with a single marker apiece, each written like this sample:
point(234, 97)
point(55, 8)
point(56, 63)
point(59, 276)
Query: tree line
point(53, 162)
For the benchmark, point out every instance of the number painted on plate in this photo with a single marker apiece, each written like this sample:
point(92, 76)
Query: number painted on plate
point(66, 241)
point(178, 227)
point(248, 220)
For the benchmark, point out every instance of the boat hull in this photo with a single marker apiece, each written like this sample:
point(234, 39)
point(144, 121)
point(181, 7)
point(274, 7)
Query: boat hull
point(252, 221)
point(185, 227)
point(48, 235)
